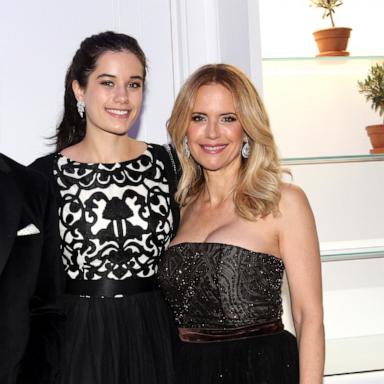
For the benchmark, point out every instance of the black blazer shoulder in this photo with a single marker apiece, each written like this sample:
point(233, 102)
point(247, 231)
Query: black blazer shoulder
point(28, 179)
point(30, 311)
point(44, 165)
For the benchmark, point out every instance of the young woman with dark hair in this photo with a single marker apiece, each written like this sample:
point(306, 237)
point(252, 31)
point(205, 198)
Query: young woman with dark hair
point(116, 215)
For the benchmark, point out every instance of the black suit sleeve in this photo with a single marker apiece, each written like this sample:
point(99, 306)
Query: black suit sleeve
point(42, 358)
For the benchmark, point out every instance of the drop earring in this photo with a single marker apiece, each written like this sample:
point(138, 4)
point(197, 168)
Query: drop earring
point(186, 150)
point(81, 108)
point(246, 149)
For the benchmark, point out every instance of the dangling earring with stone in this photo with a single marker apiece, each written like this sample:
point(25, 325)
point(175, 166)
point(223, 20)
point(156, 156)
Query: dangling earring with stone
point(246, 149)
point(186, 150)
point(81, 108)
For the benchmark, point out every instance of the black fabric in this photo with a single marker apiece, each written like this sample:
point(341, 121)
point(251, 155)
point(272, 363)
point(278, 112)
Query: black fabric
point(126, 338)
point(110, 288)
point(212, 287)
point(31, 278)
point(115, 219)
point(123, 340)
point(271, 359)
point(45, 166)
point(173, 172)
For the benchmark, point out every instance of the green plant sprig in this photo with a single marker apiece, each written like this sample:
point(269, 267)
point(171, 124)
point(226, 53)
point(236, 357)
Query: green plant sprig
point(329, 7)
point(372, 87)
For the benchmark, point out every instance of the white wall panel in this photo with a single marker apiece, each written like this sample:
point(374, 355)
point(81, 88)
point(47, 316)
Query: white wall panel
point(153, 21)
point(358, 378)
point(215, 31)
point(288, 25)
point(255, 44)
point(346, 199)
point(38, 40)
point(234, 34)
point(353, 293)
point(195, 36)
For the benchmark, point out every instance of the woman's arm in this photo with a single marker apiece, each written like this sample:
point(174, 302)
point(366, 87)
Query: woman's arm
point(300, 252)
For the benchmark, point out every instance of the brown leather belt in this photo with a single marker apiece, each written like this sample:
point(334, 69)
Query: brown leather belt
point(209, 335)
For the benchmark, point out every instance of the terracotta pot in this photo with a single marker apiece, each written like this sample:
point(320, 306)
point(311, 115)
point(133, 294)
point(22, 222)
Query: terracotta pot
point(376, 135)
point(332, 41)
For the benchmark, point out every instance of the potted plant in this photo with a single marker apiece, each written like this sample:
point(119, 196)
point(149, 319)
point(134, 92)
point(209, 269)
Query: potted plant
point(331, 41)
point(372, 87)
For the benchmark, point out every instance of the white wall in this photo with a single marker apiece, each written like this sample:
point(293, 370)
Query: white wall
point(315, 107)
point(316, 111)
point(310, 101)
point(38, 39)
point(358, 378)
point(210, 31)
point(346, 200)
point(287, 27)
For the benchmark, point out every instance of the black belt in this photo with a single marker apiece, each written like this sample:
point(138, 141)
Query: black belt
point(109, 288)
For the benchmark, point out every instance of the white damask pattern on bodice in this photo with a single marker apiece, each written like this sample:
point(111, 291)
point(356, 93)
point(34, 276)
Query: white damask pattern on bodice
point(115, 219)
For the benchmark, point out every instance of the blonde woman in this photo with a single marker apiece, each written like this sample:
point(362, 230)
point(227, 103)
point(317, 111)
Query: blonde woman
point(241, 228)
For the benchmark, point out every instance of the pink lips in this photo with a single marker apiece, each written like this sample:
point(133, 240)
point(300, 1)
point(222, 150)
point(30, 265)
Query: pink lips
point(213, 149)
point(118, 113)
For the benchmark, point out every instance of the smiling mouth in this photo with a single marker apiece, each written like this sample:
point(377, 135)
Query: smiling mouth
point(124, 113)
point(213, 149)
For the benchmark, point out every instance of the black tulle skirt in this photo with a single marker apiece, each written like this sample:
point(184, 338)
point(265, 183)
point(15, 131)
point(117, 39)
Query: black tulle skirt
point(271, 359)
point(118, 340)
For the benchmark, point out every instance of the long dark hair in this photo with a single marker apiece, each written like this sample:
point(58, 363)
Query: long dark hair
point(71, 129)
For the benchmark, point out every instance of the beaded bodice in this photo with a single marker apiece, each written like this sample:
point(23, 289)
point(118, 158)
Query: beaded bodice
point(212, 285)
point(115, 219)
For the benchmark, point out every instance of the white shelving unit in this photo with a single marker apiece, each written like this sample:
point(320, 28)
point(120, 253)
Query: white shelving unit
point(318, 118)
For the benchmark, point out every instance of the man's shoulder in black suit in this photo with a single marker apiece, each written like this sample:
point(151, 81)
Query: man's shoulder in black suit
point(28, 178)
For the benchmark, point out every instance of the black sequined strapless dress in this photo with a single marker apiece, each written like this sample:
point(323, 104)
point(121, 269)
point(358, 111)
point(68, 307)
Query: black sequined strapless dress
point(227, 303)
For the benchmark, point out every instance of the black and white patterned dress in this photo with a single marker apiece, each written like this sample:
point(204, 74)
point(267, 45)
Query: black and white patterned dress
point(115, 221)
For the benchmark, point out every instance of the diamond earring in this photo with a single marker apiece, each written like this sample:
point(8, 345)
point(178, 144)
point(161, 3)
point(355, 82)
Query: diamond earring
point(186, 150)
point(246, 149)
point(81, 108)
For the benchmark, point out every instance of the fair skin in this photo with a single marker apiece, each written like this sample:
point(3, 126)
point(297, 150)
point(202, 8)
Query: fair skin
point(215, 138)
point(113, 98)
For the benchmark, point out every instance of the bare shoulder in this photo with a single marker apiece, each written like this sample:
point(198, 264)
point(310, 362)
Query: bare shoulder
point(294, 201)
point(292, 194)
point(297, 226)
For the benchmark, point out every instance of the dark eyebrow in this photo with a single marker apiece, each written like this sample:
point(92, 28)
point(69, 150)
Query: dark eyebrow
point(136, 77)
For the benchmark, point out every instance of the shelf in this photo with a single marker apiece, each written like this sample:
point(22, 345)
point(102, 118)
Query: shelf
point(358, 255)
point(314, 104)
point(324, 59)
point(355, 355)
point(332, 159)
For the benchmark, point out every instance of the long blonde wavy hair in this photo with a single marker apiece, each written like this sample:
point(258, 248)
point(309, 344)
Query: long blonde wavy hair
point(257, 191)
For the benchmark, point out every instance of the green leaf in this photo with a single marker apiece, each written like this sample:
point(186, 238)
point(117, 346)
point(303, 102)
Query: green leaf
point(372, 87)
